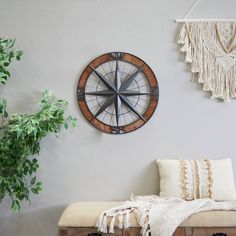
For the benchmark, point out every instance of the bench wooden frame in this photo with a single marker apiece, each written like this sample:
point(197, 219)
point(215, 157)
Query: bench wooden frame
point(181, 231)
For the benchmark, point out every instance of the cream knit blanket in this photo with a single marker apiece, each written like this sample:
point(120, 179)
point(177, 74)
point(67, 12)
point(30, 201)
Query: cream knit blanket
point(155, 215)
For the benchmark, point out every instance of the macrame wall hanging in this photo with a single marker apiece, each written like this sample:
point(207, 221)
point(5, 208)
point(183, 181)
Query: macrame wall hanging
point(210, 47)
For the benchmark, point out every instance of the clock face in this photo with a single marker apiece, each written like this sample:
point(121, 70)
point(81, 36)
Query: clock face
point(117, 93)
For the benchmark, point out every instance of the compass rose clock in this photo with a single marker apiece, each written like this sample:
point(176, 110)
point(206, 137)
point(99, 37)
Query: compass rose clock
point(117, 93)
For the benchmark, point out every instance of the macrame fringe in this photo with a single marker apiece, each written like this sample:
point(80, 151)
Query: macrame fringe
point(196, 179)
point(210, 64)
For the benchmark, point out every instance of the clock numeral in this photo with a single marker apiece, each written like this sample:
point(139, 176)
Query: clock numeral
point(117, 55)
point(80, 95)
point(155, 92)
point(117, 130)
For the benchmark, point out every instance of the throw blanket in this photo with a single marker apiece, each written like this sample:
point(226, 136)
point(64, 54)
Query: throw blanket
point(155, 215)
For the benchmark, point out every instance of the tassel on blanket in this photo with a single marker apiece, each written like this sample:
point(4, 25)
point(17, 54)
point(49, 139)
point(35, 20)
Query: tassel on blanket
point(120, 219)
point(104, 224)
point(112, 225)
point(127, 217)
point(157, 216)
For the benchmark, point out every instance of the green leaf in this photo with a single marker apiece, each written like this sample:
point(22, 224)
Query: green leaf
point(39, 184)
point(15, 206)
point(74, 122)
point(33, 180)
point(66, 125)
point(20, 140)
point(34, 190)
point(19, 54)
point(39, 188)
point(5, 114)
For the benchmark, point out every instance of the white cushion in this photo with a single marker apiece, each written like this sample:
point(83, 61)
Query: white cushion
point(85, 214)
point(192, 179)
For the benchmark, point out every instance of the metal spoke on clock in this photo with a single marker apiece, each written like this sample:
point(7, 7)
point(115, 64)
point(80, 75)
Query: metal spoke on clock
point(140, 86)
point(98, 86)
point(104, 80)
point(133, 93)
point(131, 107)
point(132, 69)
point(111, 115)
point(94, 99)
point(131, 115)
point(123, 71)
point(136, 104)
point(123, 114)
point(105, 73)
point(91, 108)
point(106, 113)
point(140, 98)
point(110, 66)
point(128, 81)
point(105, 105)
point(141, 78)
point(104, 93)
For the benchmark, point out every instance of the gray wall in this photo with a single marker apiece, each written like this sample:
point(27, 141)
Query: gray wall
point(59, 37)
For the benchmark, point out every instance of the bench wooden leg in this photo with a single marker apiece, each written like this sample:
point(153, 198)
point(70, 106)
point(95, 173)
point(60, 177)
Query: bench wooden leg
point(63, 231)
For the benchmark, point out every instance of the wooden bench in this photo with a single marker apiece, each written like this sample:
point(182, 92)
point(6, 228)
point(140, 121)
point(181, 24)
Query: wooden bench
point(79, 219)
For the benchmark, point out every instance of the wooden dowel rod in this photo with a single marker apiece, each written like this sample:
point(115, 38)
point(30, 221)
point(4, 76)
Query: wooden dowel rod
point(202, 20)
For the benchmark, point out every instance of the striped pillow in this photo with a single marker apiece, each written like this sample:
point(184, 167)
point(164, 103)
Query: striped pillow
point(194, 179)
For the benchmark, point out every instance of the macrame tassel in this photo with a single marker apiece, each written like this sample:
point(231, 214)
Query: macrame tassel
point(127, 218)
point(188, 57)
point(148, 233)
point(185, 43)
point(120, 220)
point(104, 224)
point(186, 48)
point(143, 218)
point(100, 221)
point(195, 68)
point(144, 230)
point(112, 225)
point(182, 35)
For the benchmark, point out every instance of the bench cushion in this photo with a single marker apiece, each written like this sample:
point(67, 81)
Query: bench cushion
point(85, 214)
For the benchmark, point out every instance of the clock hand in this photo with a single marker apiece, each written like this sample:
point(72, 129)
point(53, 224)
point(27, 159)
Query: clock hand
point(117, 100)
point(128, 81)
point(125, 101)
point(104, 80)
point(132, 93)
point(105, 105)
point(104, 93)
point(117, 108)
point(117, 77)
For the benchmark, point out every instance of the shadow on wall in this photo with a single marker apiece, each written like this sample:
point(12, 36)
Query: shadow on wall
point(42, 222)
point(147, 180)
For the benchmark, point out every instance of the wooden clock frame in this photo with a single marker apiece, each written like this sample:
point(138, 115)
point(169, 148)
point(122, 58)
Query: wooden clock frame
point(125, 57)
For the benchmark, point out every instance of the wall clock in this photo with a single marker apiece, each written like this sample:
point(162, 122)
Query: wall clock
point(117, 93)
